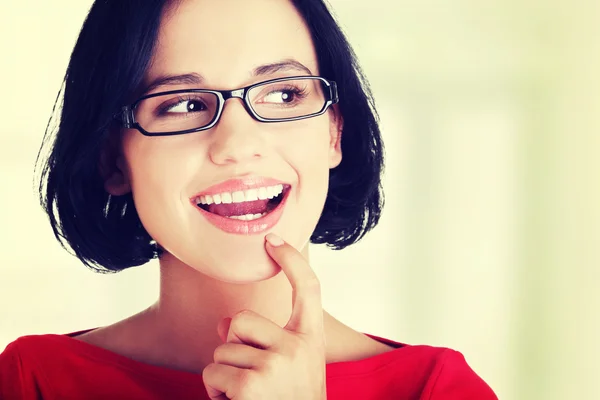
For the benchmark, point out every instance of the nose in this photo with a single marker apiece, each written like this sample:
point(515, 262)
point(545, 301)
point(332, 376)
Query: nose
point(236, 136)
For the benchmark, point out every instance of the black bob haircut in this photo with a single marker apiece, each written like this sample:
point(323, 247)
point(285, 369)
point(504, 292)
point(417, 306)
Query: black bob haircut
point(107, 66)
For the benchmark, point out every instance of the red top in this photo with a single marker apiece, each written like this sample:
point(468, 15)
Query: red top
point(61, 367)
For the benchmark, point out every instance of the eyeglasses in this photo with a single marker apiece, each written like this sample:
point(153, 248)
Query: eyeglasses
point(192, 110)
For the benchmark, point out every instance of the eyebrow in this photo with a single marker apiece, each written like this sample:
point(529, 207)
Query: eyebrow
point(196, 79)
point(284, 65)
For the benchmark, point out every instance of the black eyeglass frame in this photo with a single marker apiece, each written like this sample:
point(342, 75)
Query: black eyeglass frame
point(127, 117)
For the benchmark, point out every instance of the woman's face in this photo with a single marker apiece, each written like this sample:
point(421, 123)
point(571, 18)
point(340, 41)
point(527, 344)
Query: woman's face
point(225, 42)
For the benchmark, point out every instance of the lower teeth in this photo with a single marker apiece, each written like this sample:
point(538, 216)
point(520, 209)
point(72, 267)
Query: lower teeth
point(247, 217)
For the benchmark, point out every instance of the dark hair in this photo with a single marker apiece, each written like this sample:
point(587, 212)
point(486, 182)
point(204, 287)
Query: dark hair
point(106, 68)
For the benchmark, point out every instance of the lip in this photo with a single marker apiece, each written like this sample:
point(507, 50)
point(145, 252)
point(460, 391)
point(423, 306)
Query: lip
point(239, 184)
point(238, 227)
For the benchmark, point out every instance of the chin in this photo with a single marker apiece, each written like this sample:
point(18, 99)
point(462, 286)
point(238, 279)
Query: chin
point(237, 264)
point(229, 270)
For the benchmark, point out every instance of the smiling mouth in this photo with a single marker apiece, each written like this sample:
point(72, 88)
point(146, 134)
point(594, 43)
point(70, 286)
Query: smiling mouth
point(246, 205)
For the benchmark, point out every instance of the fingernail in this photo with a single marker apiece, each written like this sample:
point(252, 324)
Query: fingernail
point(274, 240)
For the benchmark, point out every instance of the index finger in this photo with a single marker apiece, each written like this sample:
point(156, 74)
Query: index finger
point(307, 309)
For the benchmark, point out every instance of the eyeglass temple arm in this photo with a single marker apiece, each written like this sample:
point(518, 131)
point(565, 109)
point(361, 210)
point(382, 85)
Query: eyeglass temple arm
point(125, 117)
point(333, 92)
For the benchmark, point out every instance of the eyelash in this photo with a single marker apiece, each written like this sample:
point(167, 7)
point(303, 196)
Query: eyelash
point(297, 92)
point(163, 109)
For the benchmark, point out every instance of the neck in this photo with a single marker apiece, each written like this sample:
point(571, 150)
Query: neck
point(191, 304)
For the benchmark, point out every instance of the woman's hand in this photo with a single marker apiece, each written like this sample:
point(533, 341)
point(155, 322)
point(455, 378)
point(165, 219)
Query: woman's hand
point(260, 360)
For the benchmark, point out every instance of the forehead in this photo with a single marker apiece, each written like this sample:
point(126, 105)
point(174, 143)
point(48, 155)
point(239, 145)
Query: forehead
point(224, 40)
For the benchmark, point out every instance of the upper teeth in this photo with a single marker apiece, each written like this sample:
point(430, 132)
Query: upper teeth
point(261, 193)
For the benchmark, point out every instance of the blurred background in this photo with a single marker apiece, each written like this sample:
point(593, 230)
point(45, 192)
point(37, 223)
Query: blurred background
point(489, 242)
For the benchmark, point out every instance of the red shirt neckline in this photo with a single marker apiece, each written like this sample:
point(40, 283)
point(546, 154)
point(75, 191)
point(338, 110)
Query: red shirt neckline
point(336, 369)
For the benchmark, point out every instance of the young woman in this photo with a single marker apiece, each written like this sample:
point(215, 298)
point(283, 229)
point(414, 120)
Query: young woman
point(219, 136)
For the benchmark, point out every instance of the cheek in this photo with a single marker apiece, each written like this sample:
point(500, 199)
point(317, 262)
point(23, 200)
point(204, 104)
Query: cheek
point(308, 154)
point(159, 161)
point(160, 172)
point(307, 142)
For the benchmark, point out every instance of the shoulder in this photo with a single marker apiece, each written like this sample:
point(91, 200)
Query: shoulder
point(19, 372)
point(31, 366)
point(26, 342)
point(451, 377)
point(16, 352)
point(421, 372)
point(439, 373)
point(32, 351)
point(27, 348)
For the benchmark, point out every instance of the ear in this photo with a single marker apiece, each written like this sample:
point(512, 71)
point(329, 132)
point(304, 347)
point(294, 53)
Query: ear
point(336, 125)
point(113, 168)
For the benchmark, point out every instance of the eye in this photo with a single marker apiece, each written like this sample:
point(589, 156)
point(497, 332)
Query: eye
point(185, 106)
point(281, 96)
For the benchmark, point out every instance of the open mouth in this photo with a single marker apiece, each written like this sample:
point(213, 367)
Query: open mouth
point(245, 205)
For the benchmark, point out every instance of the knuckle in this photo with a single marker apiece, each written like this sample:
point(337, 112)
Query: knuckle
point(314, 281)
point(313, 284)
point(219, 353)
point(248, 384)
point(298, 350)
point(239, 318)
point(271, 362)
point(208, 371)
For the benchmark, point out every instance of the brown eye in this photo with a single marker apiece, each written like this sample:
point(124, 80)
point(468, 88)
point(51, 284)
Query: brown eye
point(185, 106)
point(281, 96)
